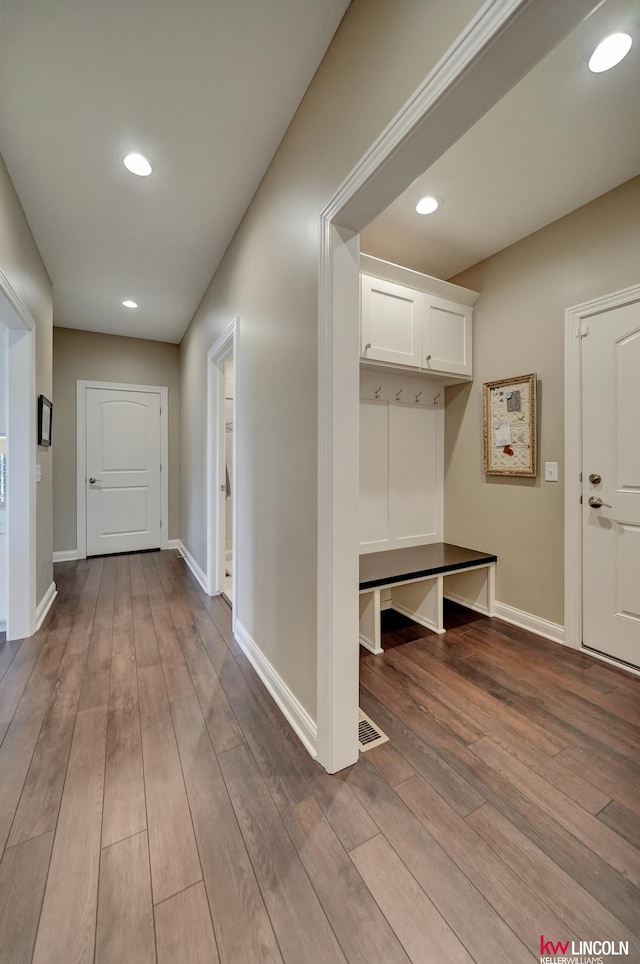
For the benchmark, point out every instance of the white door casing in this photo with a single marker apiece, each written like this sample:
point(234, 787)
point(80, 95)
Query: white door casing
point(122, 445)
point(610, 347)
point(21, 461)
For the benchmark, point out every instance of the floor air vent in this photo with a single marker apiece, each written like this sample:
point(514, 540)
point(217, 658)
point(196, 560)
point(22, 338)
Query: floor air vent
point(369, 735)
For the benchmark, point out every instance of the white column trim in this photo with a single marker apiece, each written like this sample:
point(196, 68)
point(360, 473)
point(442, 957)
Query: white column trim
point(81, 454)
point(21, 449)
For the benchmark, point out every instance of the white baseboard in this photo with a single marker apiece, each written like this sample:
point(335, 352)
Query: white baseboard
point(294, 712)
point(368, 645)
point(173, 544)
point(469, 604)
point(535, 624)
point(193, 565)
point(65, 555)
point(416, 618)
point(45, 605)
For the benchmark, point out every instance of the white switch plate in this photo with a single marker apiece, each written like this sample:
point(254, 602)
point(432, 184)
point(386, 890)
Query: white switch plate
point(551, 471)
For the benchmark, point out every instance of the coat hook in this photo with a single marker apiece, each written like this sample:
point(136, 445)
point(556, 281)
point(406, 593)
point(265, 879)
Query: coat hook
point(435, 398)
point(418, 396)
point(377, 392)
point(398, 394)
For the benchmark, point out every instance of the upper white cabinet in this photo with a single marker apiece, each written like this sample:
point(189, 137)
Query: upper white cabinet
point(392, 322)
point(411, 320)
point(447, 343)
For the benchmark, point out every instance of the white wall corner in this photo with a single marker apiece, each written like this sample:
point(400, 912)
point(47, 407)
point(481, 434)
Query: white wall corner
point(45, 605)
point(535, 624)
point(294, 712)
point(191, 562)
point(174, 544)
point(65, 555)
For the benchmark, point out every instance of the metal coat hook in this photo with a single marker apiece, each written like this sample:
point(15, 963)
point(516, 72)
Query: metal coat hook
point(398, 394)
point(377, 391)
point(418, 396)
point(435, 398)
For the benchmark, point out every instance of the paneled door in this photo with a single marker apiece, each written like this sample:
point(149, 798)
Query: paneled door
point(123, 455)
point(611, 482)
point(391, 322)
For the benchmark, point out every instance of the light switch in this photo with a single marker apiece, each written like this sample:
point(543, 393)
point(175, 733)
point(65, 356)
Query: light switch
point(551, 471)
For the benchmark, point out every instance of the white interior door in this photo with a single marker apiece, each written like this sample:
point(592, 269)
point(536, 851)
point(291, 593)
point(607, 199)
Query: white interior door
point(123, 456)
point(611, 475)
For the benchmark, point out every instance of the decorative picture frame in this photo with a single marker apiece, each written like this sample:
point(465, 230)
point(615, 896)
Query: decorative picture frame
point(45, 420)
point(510, 427)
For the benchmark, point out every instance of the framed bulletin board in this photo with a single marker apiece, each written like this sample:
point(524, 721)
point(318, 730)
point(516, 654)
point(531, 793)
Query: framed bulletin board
point(510, 443)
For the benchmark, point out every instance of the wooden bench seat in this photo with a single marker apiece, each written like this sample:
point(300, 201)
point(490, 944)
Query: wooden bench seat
point(415, 581)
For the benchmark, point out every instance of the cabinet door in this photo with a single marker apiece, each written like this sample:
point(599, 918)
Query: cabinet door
point(447, 337)
point(391, 316)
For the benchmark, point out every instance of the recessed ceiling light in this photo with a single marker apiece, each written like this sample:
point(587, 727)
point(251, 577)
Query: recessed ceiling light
point(129, 304)
point(137, 164)
point(610, 52)
point(427, 205)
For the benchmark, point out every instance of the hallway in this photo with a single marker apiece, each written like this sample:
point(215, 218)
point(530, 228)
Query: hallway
point(155, 805)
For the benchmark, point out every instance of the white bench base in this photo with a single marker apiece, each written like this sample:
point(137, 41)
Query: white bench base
point(422, 600)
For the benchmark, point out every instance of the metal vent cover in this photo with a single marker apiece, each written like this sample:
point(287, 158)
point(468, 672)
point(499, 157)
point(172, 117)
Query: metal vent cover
point(369, 733)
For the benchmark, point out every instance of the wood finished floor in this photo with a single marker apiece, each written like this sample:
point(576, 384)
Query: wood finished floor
point(154, 805)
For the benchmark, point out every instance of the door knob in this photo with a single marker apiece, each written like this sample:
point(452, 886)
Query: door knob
point(595, 479)
point(367, 346)
point(92, 480)
point(596, 502)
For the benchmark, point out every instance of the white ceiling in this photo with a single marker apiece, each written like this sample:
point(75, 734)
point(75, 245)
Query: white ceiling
point(560, 138)
point(204, 88)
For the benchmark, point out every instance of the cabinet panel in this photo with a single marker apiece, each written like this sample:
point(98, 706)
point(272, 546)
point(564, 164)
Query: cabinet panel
point(391, 322)
point(414, 473)
point(447, 337)
point(374, 474)
point(401, 465)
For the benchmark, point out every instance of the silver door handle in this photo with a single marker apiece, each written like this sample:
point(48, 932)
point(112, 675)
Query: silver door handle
point(596, 502)
point(92, 480)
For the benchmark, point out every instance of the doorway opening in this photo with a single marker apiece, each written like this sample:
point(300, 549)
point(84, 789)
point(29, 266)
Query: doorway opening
point(228, 478)
point(222, 461)
point(18, 445)
point(499, 47)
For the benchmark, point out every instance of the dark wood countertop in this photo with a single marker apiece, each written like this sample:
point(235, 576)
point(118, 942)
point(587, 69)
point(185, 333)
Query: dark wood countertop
point(397, 565)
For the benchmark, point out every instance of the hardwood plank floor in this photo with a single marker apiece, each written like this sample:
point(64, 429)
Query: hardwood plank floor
point(156, 806)
point(125, 910)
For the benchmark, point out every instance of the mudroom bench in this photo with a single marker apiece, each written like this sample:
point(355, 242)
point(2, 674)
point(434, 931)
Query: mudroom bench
point(415, 581)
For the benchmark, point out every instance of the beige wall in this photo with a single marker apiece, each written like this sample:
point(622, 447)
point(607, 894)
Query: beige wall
point(21, 263)
point(268, 277)
point(519, 328)
point(106, 358)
